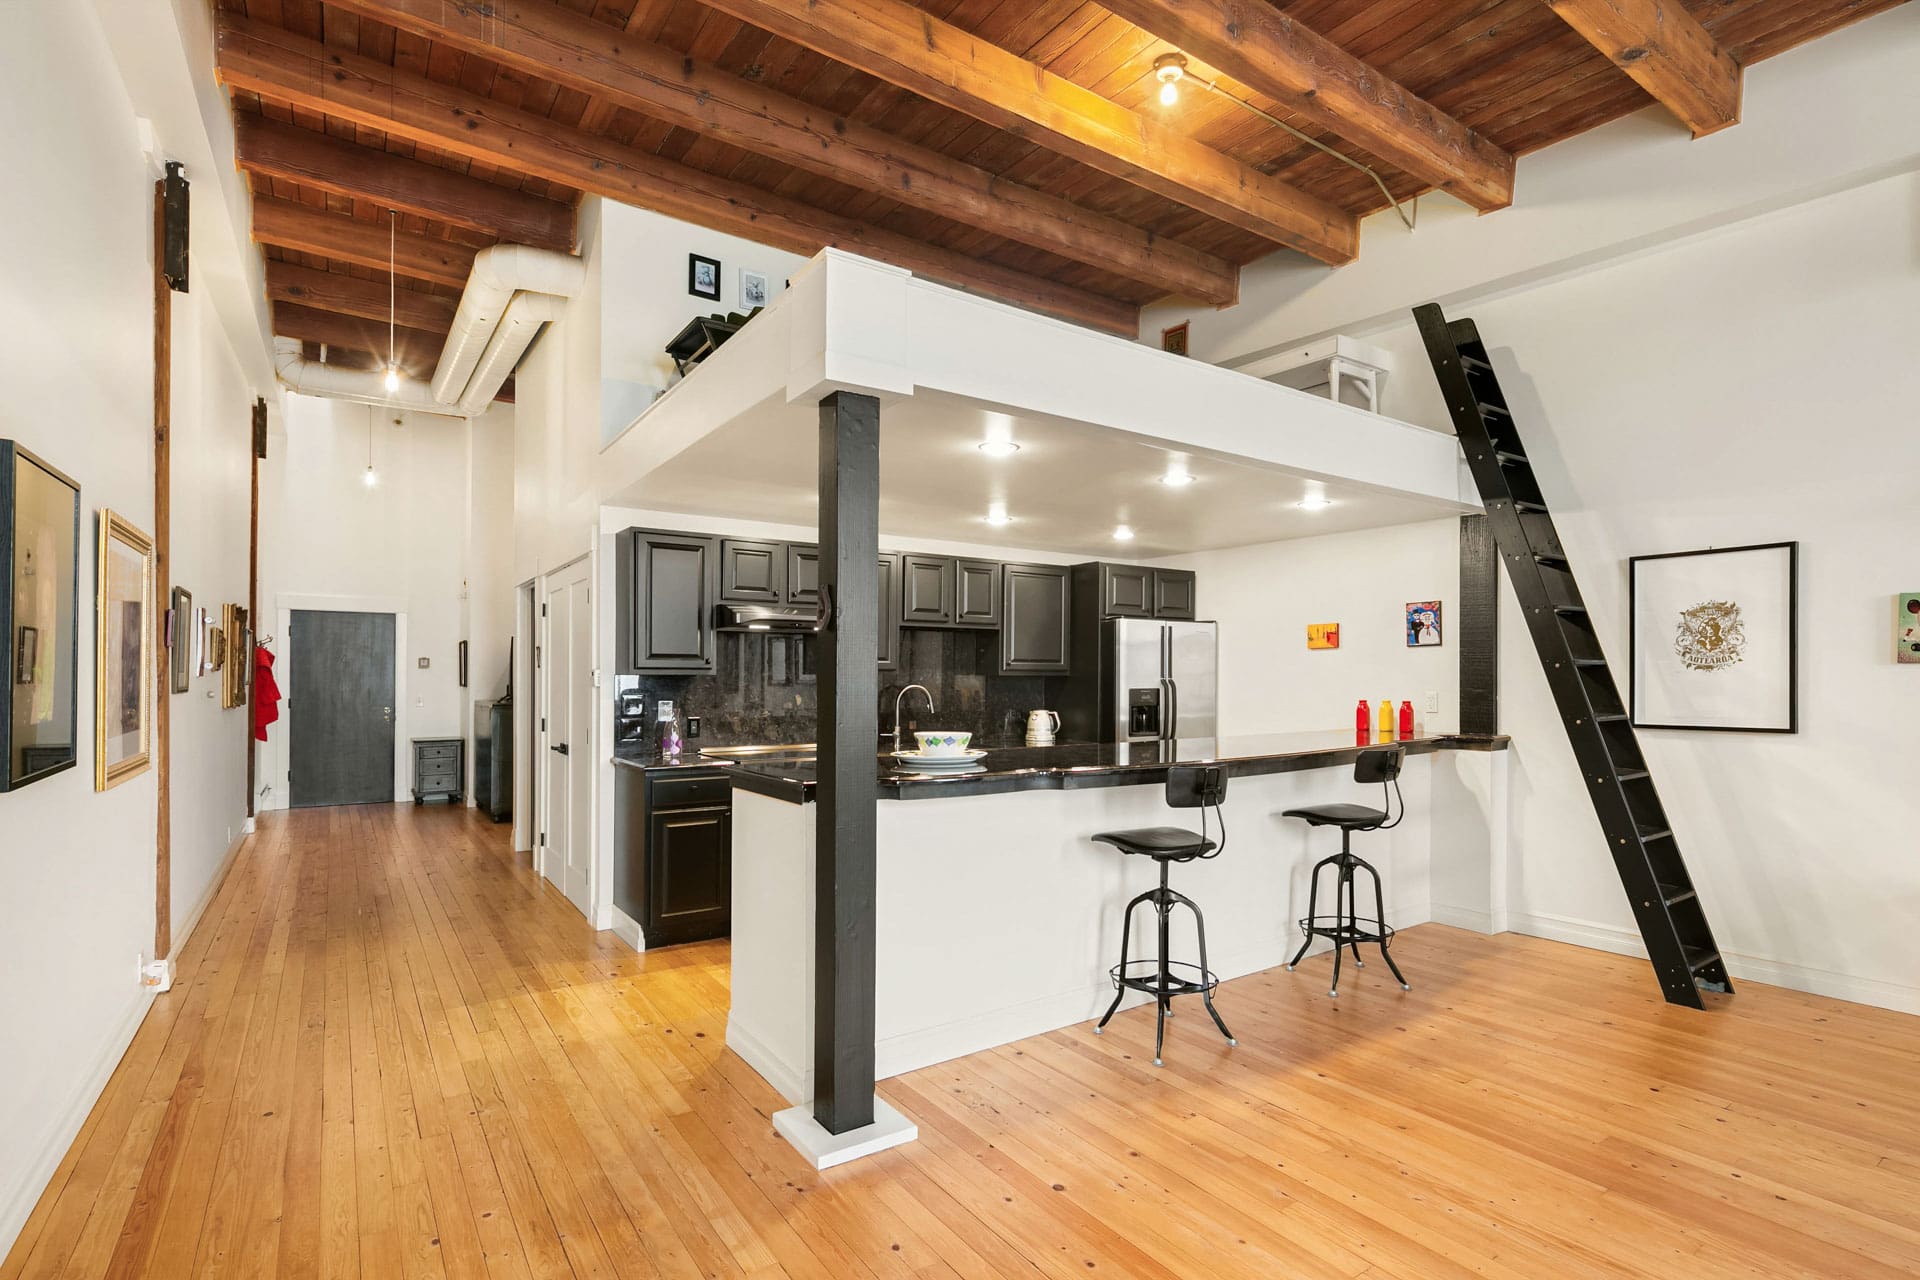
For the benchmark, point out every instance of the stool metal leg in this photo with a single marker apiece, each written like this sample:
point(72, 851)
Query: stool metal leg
point(1126, 933)
point(1163, 906)
point(1340, 886)
point(1353, 910)
point(1206, 974)
point(1380, 906)
point(1313, 902)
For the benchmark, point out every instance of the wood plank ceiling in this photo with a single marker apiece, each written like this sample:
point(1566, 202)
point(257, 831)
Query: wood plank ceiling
point(1016, 147)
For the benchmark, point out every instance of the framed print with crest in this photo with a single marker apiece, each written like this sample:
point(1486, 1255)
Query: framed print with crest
point(1715, 639)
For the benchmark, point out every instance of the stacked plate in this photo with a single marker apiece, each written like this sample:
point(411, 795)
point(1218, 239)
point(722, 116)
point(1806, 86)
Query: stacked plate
point(967, 761)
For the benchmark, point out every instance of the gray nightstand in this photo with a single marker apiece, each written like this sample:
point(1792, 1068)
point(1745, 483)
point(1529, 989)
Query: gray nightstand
point(439, 769)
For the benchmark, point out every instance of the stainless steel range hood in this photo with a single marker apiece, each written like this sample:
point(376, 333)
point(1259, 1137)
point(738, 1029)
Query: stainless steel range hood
point(763, 617)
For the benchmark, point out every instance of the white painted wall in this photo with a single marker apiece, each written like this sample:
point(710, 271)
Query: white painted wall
point(1264, 596)
point(1726, 359)
point(77, 884)
point(404, 545)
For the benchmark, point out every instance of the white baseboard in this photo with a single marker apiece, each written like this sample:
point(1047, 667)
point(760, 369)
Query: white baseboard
point(32, 1176)
point(627, 929)
point(1897, 996)
point(1477, 919)
point(795, 1086)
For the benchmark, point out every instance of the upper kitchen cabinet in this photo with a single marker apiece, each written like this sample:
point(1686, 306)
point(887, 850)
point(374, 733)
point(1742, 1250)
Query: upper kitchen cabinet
point(752, 572)
point(1173, 594)
point(976, 598)
point(889, 611)
point(1034, 618)
point(926, 590)
point(668, 585)
point(803, 574)
point(1135, 591)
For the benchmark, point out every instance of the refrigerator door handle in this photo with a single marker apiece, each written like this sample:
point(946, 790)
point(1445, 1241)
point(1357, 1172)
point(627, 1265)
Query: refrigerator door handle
point(1173, 709)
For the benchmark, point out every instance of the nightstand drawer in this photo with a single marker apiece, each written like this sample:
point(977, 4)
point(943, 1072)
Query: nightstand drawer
point(435, 771)
point(436, 751)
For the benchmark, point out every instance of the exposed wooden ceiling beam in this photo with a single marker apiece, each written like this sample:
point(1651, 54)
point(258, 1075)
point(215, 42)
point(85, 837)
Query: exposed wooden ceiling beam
point(303, 73)
point(906, 46)
point(291, 225)
point(1309, 75)
point(412, 186)
point(418, 352)
point(1667, 52)
point(577, 52)
point(332, 291)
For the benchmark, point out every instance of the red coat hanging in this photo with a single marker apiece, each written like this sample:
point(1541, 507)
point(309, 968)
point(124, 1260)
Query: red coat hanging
point(266, 692)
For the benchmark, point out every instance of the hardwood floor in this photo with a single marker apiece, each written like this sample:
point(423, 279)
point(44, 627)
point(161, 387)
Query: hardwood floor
point(392, 1052)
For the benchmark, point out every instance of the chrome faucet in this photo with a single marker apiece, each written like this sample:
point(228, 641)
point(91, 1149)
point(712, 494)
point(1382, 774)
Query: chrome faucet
point(898, 723)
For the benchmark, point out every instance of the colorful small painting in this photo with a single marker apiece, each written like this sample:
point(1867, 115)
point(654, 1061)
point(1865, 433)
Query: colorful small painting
point(1174, 338)
point(1906, 627)
point(1323, 635)
point(1423, 623)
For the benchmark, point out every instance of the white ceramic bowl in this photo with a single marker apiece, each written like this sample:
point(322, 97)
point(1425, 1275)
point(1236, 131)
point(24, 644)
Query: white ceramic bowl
point(941, 742)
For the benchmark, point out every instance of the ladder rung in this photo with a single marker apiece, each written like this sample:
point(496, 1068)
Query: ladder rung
point(1589, 662)
point(1474, 365)
point(1552, 562)
point(1649, 834)
point(1632, 775)
point(1507, 458)
point(1569, 610)
point(1494, 410)
point(1698, 960)
point(1539, 507)
point(1673, 897)
point(1610, 717)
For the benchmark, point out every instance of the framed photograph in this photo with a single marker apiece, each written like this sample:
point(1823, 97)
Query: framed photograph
point(1715, 639)
point(1423, 623)
point(703, 277)
point(39, 618)
point(233, 680)
point(125, 628)
point(1906, 627)
point(753, 290)
point(463, 664)
point(1174, 338)
point(181, 637)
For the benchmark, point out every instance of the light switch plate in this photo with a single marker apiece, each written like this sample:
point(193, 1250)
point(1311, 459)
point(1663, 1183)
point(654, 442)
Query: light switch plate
point(425, 663)
point(1433, 702)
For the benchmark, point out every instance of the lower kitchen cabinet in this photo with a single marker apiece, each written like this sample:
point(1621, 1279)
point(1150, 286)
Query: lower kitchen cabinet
point(673, 853)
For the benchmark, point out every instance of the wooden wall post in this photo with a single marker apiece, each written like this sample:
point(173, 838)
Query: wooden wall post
point(849, 731)
point(162, 576)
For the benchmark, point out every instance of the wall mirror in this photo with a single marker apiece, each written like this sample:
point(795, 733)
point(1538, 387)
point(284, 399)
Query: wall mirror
point(39, 617)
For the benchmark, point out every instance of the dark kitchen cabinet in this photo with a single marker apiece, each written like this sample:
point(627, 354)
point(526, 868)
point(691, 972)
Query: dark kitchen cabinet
point(976, 597)
point(803, 574)
point(666, 588)
point(673, 857)
point(1126, 591)
point(889, 611)
point(926, 590)
point(753, 572)
point(1034, 620)
point(1173, 595)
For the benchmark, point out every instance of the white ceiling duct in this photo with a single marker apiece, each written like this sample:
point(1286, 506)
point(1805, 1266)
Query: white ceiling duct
point(364, 386)
point(498, 274)
point(511, 337)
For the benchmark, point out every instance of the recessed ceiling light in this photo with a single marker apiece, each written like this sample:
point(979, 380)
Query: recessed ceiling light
point(997, 514)
point(998, 448)
point(1315, 503)
point(1177, 477)
point(1123, 533)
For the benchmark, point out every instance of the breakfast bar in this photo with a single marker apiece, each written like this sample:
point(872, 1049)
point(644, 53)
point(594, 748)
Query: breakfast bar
point(998, 918)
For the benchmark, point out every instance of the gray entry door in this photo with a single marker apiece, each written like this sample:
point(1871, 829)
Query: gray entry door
point(340, 709)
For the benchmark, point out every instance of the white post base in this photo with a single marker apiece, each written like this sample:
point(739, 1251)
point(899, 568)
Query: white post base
point(824, 1150)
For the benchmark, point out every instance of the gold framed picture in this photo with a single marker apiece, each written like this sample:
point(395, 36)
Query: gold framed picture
point(123, 667)
point(238, 661)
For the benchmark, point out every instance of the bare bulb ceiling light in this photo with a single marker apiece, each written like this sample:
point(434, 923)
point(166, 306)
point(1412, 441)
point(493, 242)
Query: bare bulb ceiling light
point(372, 477)
point(1169, 69)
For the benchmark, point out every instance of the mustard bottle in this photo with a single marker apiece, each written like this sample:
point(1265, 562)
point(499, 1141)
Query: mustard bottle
point(1386, 720)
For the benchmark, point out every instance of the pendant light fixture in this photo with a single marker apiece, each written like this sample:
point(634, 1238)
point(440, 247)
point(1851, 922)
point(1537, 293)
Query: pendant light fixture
point(372, 477)
point(393, 366)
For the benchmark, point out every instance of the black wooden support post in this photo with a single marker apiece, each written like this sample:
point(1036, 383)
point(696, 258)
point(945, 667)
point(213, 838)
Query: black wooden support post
point(1477, 623)
point(849, 731)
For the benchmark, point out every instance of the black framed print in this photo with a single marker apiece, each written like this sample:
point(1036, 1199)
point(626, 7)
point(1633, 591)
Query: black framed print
point(1715, 639)
point(703, 277)
point(40, 675)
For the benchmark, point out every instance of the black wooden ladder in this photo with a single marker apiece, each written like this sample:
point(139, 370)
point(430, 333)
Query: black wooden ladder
point(1672, 921)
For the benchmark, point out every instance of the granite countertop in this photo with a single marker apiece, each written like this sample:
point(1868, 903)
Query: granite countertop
point(1068, 766)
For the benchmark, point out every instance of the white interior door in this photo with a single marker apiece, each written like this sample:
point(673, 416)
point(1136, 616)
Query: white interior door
point(566, 850)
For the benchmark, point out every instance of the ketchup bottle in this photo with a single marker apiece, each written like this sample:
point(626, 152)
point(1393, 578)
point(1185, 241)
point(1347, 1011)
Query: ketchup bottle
point(1406, 721)
point(1362, 724)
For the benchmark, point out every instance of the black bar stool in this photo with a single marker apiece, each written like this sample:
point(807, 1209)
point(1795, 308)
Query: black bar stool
point(1188, 787)
point(1345, 927)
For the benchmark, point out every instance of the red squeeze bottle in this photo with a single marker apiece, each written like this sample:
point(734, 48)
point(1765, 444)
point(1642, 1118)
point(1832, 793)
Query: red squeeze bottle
point(1362, 723)
point(1406, 721)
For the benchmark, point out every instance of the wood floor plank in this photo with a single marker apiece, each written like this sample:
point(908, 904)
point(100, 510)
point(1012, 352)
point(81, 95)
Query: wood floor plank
point(393, 1051)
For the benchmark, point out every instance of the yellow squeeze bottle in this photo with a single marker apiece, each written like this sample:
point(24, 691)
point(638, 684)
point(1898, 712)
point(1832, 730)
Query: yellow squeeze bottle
point(1386, 721)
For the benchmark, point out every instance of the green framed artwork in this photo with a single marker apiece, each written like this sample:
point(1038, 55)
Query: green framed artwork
point(1906, 627)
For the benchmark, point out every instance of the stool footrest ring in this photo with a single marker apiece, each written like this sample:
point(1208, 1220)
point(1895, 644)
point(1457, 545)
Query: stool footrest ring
point(1343, 931)
point(1183, 979)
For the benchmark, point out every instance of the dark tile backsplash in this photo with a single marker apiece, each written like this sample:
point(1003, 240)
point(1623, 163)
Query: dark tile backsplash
point(763, 689)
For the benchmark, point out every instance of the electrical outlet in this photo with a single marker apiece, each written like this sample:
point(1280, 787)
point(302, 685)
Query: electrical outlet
point(1433, 702)
point(693, 726)
point(419, 702)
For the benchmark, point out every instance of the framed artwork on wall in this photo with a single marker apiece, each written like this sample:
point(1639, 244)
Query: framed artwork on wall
point(124, 627)
point(233, 682)
point(39, 618)
point(1423, 623)
point(753, 289)
point(182, 638)
point(1906, 627)
point(703, 277)
point(1323, 635)
point(1714, 639)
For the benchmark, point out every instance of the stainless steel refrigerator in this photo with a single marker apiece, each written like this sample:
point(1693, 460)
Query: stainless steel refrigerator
point(1162, 679)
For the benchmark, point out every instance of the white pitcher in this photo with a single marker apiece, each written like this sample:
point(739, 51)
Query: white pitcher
point(1041, 726)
